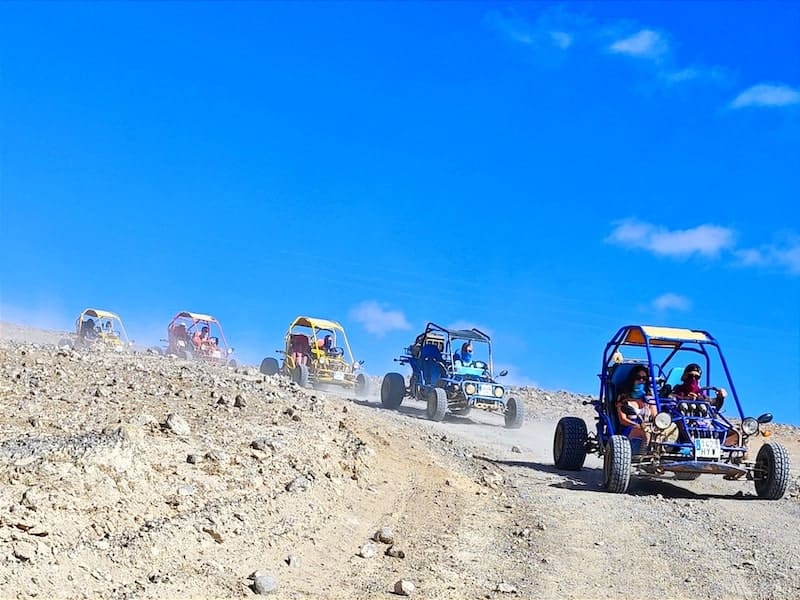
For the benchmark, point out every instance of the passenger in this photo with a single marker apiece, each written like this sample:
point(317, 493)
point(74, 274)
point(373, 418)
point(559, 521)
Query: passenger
point(690, 389)
point(635, 408)
point(201, 339)
point(465, 356)
point(108, 328)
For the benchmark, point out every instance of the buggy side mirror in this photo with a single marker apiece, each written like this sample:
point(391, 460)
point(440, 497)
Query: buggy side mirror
point(628, 410)
point(765, 418)
point(503, 373)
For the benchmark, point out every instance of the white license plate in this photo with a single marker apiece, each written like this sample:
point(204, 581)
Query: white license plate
point(338, 376)
point(707, 448)
point(485, 390)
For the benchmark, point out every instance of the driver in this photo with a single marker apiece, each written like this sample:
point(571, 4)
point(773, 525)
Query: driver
point(690, 389)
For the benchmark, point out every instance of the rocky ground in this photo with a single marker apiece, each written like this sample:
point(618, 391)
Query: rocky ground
point(135, 475)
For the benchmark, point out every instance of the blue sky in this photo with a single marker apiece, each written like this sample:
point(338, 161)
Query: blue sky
point(549, 172)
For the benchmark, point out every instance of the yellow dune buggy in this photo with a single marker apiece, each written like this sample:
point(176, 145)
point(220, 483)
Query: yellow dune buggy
point(98, 329)
point(316, 352)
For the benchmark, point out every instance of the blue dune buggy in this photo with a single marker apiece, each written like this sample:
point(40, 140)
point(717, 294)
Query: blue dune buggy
point(688, 436)
point(446, 381)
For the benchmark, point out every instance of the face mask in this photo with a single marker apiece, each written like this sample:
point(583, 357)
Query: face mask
point(693, 385)
point(466, 357)
point(638, 390)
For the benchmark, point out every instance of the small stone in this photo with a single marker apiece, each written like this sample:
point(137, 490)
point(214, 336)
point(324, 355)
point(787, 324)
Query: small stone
point(384, 535)
point(264, 584)
point(24, 551)
point(33, 421)
point(516, 450)
point(293, 560)
point(298, 484)
point(403, 587)
point(395, 552)
point(177, 424)
point(260, 444)
point(193, 459)
point(296, 417)
point(368, 550)
point(239, 401)
point(31, 498)
point(505, 588)
point(186, 490)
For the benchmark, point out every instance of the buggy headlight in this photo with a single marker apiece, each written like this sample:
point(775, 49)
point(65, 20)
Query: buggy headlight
point(498, 391)
point(663, 420)
point(470, 388)
point(749, 426)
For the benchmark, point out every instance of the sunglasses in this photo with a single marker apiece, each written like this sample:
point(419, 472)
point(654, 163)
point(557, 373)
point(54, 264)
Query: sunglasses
point(693, 376)
point(641, 378)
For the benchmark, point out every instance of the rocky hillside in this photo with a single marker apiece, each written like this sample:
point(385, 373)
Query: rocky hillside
point(135, 475)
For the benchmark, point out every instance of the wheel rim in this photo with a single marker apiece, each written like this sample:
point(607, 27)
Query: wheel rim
point(558, 444)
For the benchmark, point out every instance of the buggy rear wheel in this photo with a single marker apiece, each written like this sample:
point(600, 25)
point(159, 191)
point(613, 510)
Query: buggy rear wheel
point(437, 404)
point(772, 471)
point(300, 375)
point(515, 413)
point(617, 465)
point(569, 444)
point(269, 366)
point(361, 387)
point(393, 388)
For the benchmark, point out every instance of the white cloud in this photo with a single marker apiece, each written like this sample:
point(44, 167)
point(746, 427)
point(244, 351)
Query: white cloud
point(784, 256)
point(706, 240)
point(769, 95)
point(377, 319)
point(670, 301)
point(554, 28)
point(562, 39)
point(646, 43)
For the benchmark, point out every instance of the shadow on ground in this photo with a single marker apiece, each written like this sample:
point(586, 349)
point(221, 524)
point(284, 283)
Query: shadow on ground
point(590, 479)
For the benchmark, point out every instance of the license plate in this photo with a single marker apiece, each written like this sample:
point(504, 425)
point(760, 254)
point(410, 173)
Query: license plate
point(338, 376)
point(485, 390)
point(707, 448)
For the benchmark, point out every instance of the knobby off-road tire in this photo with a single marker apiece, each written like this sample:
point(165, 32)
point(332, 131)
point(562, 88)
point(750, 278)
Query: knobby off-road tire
point(269, 366)
point(515, 413)
point(617, 465)
point(772, 478)
point(361, 387)
point(300, 375)
point(393, 389)
point(437, 404)
point(569, 444)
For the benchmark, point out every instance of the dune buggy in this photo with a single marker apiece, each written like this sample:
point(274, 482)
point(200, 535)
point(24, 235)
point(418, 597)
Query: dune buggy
point(316, 351)
point(196, 336)
point(98, 329)
point(688, 436)
point(445, 382)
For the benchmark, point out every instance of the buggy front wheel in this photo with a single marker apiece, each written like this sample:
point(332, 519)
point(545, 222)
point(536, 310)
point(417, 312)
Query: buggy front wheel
point(361, 387)
point(515, 413)
point(437, 404)
point(617, 465)
point(300, 375)
point(772, 471)
point(569, 444)
point(393, 388)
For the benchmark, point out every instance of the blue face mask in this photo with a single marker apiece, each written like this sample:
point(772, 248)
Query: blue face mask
point(638, 390)
point(466, 357)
